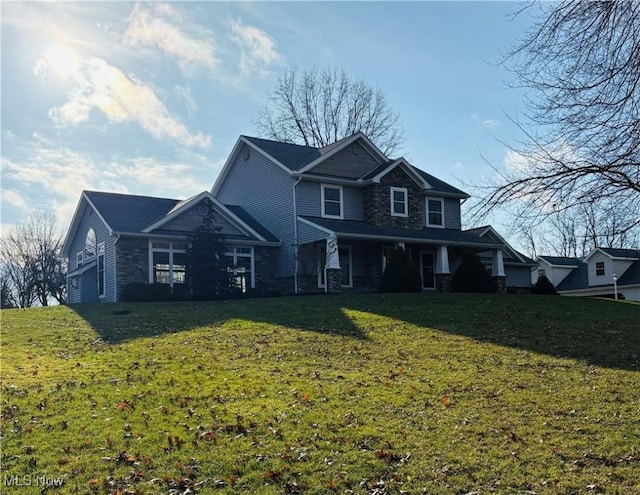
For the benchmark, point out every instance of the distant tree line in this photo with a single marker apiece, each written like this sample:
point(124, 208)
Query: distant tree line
point(32, 269)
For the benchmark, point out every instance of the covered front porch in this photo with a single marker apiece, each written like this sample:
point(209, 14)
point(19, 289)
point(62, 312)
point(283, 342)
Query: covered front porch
point(342, 264)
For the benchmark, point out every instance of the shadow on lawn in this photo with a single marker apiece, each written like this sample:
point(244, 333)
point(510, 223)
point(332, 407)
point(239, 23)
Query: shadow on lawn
point(604, 333)
point(116, 323)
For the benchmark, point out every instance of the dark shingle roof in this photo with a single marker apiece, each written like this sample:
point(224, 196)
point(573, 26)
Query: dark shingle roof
point(578, 278)
point(441, 186)
point(632, 275)
point(351, 227)
point(128, 213)
point(621, 253)
point(561, 260)
point(293, 156)
point(252, 222)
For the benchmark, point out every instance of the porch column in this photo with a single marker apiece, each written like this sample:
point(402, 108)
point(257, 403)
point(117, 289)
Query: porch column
point(443, 273)
point(497, 271)
point(332, 270)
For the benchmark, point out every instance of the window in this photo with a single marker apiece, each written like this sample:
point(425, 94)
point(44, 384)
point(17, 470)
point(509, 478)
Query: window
point(331, 201)
point(344, 254)
point(399, 204)
point(599, 268)
point(435, 212)
point(541, 273)
point(79, 258)
point(168, 262)
point(241, 267)
point(101, 279)
point(90, 245)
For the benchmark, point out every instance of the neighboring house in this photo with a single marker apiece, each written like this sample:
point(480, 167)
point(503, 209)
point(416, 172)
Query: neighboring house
point(594, 274)
point(301, 219)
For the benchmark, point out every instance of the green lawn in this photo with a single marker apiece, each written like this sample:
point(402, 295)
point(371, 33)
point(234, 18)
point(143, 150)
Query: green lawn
point(376, 394)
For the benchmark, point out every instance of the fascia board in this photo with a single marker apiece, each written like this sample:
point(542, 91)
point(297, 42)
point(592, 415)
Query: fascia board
point(66, 245)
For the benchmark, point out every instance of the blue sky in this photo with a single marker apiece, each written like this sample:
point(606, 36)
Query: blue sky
point(149, 98)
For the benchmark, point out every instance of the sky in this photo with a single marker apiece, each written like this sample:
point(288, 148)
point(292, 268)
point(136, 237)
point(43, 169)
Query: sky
point(150, 98)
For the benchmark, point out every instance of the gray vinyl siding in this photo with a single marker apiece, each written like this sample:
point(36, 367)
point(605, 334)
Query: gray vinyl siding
point(518, 276)
point(307, 233)
point(191, 219)
point(265, 191)
point(89, 286)
point(309, 197)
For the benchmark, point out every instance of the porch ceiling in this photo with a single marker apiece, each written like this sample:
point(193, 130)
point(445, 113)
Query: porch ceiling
point(349, 229)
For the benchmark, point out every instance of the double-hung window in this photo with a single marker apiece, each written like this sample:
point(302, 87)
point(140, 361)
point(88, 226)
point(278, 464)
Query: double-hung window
point(399, 202)
point(332, 203)
point(168, 262)
point(599, 268)
point(435, 212)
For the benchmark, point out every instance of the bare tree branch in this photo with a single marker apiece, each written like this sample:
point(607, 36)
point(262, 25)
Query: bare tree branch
point(318, 108)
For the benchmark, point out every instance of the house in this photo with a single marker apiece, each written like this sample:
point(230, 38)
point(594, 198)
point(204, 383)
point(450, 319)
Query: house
point(297, 219)
point(597, 274)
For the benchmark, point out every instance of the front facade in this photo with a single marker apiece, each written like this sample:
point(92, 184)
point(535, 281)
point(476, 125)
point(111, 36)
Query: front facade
point(297, 220)
point(603, 272)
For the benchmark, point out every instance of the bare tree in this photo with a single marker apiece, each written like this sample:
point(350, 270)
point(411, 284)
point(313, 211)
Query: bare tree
point(32, 266)
point(317, 108)
point(581, 66)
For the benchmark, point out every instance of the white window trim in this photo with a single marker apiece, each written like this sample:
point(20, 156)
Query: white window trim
point(406, 201)
point(169, 250)
point(604, 268)
point(234, 255)
point(324, 215)
point(100, 251)
point(426, 209)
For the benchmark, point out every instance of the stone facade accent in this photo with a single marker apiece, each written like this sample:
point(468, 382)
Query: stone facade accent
point(132, 262)
point(501, 284)
point(308, 266)
point(334, 281)
point(377, 202)
point(443, 282)
point(266, 267)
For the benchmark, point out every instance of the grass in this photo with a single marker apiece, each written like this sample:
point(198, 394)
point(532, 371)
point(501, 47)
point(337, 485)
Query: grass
point(379, 394)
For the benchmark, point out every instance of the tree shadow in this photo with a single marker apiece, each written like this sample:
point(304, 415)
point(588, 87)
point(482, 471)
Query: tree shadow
point(117, 323)
point(607, 335)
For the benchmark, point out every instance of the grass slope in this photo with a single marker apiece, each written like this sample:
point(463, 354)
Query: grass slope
point(410, 393)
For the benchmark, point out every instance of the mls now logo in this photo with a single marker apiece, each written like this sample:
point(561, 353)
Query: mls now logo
point(40, 480)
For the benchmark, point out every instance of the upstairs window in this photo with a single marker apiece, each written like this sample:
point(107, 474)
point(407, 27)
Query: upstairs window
point(90, 245)
point(435, 212)
point(399, 202)
point(332, 201)
point(599, 268)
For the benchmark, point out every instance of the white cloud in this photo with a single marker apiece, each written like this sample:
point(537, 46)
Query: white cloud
point(184, 93)
point(147, 27)
point(491, 123)
point(121, 98)
point(53, 178)
point(257, 48)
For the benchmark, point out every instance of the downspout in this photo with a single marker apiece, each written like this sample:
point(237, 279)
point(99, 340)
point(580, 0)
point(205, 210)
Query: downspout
point(295, 236)
point(115, 268)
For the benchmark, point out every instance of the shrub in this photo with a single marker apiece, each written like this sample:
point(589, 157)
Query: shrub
point(472, 276)
point(544, 286)
point(143, 292)
point(401, 275)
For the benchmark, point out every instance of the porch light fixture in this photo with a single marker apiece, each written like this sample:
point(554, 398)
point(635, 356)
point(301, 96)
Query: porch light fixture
point(615, 286)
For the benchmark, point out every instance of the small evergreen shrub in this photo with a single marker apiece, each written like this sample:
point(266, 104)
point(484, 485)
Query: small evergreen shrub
point(544, 286)
point(472, 276)
point(143, 292)
point(401, 275)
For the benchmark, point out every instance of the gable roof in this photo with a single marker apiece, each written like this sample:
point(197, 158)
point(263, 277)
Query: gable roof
point(616, 253)
point(561, 261)
point(487, 231)
point(292, 156)
point(578, 278)
point(631, 276)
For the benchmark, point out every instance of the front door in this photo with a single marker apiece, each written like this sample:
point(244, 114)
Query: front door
point(427, 269)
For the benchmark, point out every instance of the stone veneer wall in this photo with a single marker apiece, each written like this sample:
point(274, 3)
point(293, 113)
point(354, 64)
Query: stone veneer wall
point(266, 266)
point(132, 262)
point(377, 202)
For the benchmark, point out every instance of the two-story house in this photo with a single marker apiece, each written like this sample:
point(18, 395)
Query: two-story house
point(297, 219)
point(600, 273)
